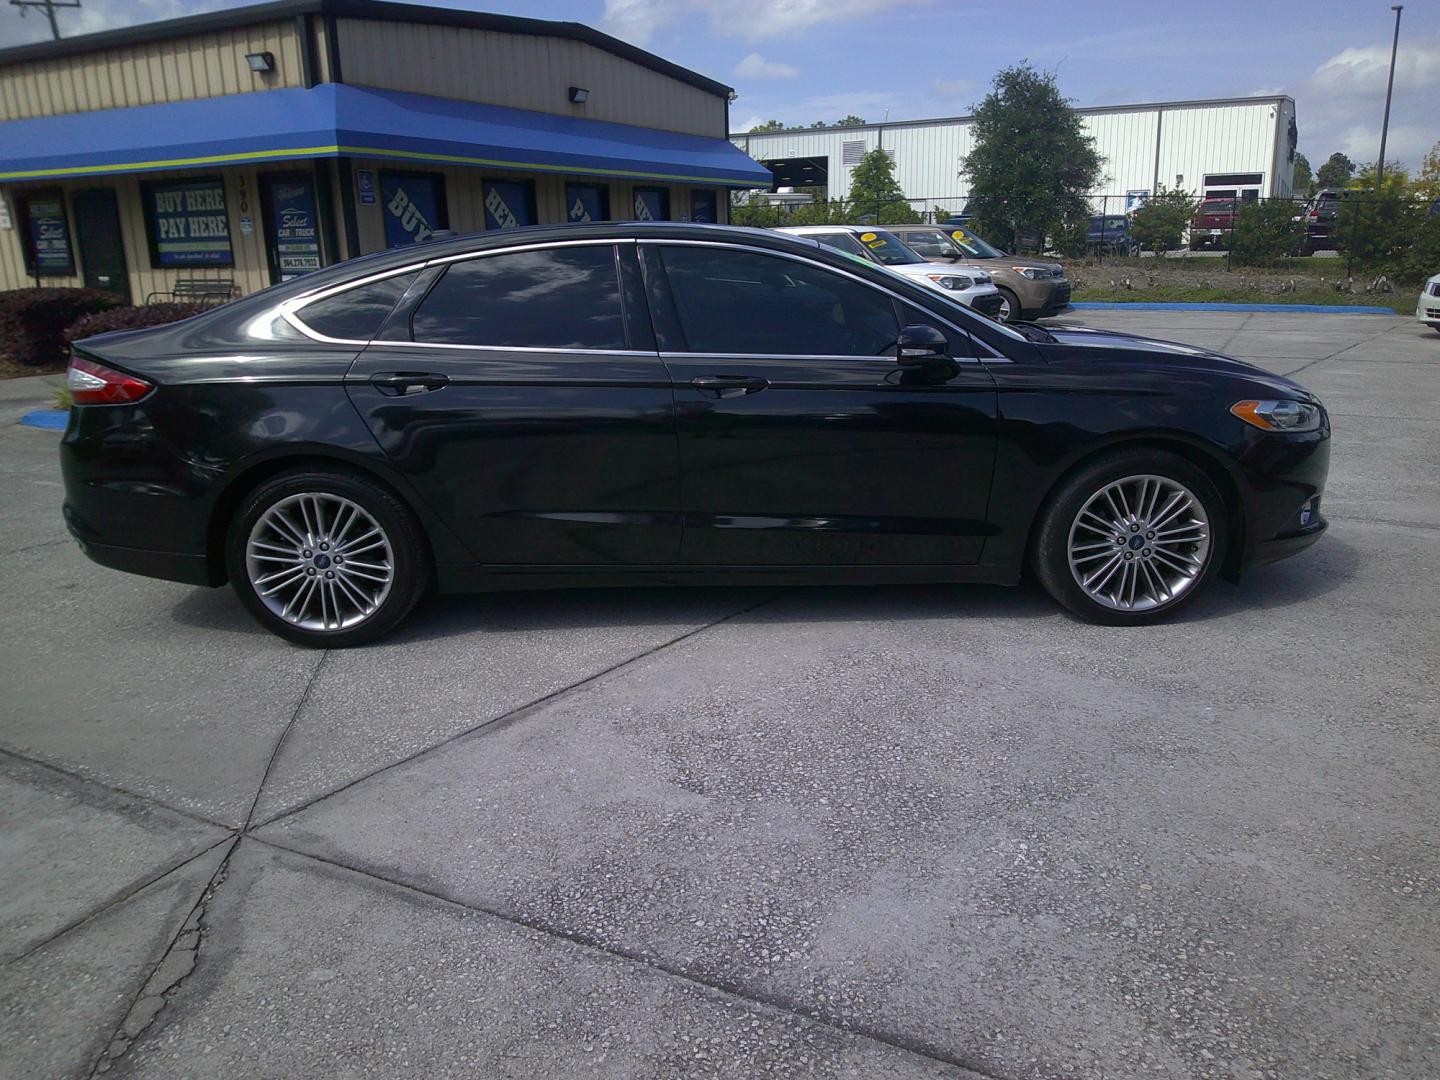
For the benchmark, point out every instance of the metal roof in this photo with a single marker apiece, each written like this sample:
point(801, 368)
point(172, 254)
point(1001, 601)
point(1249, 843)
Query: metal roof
point(353, 9)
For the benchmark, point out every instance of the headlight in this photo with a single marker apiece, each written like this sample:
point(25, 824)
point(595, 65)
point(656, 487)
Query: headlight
point(950, 281)
point(1278, 415)
point(1030, 272)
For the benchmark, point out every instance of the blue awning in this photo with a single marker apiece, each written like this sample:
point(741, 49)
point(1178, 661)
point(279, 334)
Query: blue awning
point(336, 119)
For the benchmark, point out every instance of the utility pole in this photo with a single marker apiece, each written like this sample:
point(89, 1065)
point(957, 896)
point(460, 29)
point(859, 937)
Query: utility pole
point(47, 6)
point(1389, 88)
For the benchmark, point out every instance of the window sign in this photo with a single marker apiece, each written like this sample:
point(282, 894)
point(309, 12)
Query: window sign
point(413, 208)
point(365, 185)
point(587, 202)
point(652, 204)
point(295, 228)
point(188, 223)
point(509, 204)
point(1136, 198)
point(702, 206)
point(49, 236)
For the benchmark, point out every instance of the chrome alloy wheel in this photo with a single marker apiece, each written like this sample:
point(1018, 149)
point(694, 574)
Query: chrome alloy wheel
point(1139, 542)
point(319, 561)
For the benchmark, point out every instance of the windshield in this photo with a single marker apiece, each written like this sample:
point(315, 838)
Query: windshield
point(1217, 206)
point(886, 248)
point(840, 241)
point(971, 244)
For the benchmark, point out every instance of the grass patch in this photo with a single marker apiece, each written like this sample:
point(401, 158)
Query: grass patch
point(1402, 302)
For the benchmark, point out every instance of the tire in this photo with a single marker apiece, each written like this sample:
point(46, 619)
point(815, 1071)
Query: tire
point(1010, 308)
point(283, 528)
point(1164, 582)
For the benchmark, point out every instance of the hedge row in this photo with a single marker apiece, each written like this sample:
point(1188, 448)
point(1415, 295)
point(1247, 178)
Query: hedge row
point(37, 325)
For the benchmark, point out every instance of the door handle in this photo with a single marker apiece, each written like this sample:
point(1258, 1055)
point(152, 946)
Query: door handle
point(728, 386)
point(405, 382)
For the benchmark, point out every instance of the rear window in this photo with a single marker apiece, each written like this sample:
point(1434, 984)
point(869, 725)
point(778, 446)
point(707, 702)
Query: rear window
point(551, 298)
point(356, 314)
point(1217, 206)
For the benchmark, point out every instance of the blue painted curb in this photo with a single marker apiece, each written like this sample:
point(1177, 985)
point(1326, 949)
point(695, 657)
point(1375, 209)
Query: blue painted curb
point(50, 419)
point(1318, 309)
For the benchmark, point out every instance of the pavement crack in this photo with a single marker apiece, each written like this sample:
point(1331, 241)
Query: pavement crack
point(772, 1002)
point(518, 711)
point(113, 902)
point(280, 742)
point(114, 789)
point(166, 977)
point(1332, 356)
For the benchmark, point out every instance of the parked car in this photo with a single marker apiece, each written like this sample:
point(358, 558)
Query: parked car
point(1029, 288)
point(1109, 234)
point(969, 284)
point(1321, 216)
point(1428, 309)
point(1213, 224)
point(648, 403)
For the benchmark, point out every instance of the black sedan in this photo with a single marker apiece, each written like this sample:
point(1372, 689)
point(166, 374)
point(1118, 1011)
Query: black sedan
point(662, 403)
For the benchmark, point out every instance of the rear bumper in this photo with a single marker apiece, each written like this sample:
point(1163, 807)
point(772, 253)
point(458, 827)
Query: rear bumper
point(168, 565)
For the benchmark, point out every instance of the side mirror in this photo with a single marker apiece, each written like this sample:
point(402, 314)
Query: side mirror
point(922, 347)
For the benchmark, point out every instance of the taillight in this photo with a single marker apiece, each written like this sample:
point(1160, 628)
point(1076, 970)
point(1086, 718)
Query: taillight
point(1314, 213)
point(95, 384)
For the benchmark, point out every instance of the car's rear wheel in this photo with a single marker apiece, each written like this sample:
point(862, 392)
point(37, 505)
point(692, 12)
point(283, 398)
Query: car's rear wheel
point(1010, 309)
point(323, 558)
point(1131, 538)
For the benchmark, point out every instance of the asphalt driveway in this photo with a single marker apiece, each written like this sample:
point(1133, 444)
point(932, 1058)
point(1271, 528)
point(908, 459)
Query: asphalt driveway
point(904, 832)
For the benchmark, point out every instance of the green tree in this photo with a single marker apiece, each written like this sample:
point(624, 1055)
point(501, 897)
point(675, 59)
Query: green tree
point(818, 124)
point(1266, 231)
point(1163, 222)
point(769, 125)
point(1336, 172)
point(1377, 228)
point(1302, 186)
point(850, 121)
point(1033, 164)
point(876, 195)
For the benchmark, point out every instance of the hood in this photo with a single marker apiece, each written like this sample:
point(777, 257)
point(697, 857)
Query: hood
point(1080, 339)
point(1028, 263)
point(925, 268)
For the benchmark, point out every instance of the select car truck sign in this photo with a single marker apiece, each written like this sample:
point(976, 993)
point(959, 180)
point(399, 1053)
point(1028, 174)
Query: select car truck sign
point(296, 237)
point(49, 236)
point(188, 223)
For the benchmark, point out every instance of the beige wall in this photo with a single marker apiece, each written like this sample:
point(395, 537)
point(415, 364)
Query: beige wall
point(242, 196)
point(465, 202)
point(523, 71)
point(249, 273)
point(205, 65)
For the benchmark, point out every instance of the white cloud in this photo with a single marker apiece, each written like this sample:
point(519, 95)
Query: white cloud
point(753, 20)
point(1340, 105)
point(756, 66)
point(753, 121)
point(953, 90)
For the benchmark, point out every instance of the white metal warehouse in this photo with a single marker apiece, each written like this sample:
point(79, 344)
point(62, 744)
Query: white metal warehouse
point(1233, 147)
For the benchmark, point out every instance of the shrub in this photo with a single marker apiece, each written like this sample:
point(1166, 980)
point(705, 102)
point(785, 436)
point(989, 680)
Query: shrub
point(1163, 222)
point(1379, 231)
point(1266, 232)
point(129, 318)
point(33, 321)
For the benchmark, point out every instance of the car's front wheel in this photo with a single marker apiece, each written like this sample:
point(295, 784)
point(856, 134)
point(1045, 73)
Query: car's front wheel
point(1131, 538)
point(323, 558)
point(1009, 309)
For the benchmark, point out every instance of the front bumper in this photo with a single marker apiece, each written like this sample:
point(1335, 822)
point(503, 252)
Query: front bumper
point(1428, 310)
point(987, 303)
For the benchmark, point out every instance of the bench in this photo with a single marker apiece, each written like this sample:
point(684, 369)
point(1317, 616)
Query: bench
point(202, 291)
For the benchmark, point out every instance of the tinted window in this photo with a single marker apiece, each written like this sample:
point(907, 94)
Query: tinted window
point(932, 243)
point(840, 241)
point(555, 298)
point(960, 344)
point(356, 314)
point(741, 302)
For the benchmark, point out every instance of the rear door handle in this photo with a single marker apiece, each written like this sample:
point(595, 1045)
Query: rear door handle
point(405, 382)
point(728, 386)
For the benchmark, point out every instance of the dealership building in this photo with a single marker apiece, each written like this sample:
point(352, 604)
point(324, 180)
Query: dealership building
point(224, 152)
point(1229, 147)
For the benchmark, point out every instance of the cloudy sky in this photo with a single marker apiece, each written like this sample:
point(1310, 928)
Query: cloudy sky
point(804, 60)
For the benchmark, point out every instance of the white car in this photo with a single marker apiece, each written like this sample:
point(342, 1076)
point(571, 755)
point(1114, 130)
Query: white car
point(970, 285)
point(1428, 309)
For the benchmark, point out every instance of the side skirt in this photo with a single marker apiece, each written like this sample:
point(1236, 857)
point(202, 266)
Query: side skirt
point(476, 577)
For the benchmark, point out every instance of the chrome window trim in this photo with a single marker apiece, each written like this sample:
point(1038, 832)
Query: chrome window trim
point(979, 344)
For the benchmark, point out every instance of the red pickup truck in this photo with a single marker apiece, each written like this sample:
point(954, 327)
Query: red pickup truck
point(1212, 224)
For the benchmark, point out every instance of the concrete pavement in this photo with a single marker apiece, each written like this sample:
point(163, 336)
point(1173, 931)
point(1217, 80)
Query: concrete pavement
point(817, 832)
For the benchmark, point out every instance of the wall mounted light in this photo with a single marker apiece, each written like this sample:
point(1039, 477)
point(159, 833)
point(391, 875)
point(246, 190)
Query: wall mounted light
point(579, 95)
point(260, 61)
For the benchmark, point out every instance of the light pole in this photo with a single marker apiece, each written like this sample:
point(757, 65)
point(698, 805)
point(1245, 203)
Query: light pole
point(1389, 88)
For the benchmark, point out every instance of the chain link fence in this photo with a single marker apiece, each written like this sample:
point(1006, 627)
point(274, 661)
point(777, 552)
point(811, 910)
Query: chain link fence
point(1361, 233)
